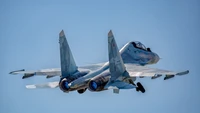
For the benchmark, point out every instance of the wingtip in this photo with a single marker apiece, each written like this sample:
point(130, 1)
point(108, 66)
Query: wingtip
point(13, 72)
point(61, 33)
point(187, 71)
point(183, 73)
point(110, 34)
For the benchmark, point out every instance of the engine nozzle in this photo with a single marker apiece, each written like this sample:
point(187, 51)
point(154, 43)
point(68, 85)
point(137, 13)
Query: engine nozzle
point(64, 85)
point(93, 85)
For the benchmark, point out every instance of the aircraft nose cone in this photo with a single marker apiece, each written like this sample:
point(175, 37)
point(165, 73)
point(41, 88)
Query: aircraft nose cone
point(157, 58)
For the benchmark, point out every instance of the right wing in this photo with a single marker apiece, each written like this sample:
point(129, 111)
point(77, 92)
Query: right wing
point(142, 71)
point(45, 85)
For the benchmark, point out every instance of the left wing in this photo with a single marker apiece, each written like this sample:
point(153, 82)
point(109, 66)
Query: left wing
point(52, 72)
point(142, 71)
point(43, 72)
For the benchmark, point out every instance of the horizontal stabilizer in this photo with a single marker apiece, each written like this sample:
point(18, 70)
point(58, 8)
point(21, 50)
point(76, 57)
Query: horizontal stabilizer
point(46, 85)
point(119, 85)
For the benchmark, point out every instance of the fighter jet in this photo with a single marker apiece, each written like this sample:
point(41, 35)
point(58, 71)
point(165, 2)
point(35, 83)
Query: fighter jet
point(78, 78)
point(70, 72)
point(121, 75)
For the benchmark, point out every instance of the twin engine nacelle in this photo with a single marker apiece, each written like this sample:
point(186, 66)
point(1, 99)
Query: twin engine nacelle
point(63, 84)
point(98, 83)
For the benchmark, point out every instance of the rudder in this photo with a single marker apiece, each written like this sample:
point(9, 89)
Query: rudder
point(68, 65)
point(116, 64)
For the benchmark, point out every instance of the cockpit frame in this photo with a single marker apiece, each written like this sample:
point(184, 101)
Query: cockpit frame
point(139, 45)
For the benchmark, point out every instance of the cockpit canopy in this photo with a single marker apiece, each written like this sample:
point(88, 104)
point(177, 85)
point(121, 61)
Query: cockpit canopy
point(139, 45)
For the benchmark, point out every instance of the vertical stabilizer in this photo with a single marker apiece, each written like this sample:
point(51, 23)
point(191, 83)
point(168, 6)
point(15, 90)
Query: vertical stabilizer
point(68, 65)
point(117, 67)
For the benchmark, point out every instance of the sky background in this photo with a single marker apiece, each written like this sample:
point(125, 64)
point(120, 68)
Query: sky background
point(29, 32)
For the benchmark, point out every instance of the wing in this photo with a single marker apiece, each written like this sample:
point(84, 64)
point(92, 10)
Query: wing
point(45, 85)
point(52, 72)
point(43, 72)
point(142, 71)
point(92, 67)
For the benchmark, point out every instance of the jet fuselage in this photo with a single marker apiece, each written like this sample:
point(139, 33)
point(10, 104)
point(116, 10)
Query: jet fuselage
point(131, 53)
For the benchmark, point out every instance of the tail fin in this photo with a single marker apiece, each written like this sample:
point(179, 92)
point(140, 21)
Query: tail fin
point(68, 65)
point(117, 67)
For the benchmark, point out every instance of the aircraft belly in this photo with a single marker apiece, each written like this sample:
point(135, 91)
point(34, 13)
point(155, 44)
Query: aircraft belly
point(77, 88)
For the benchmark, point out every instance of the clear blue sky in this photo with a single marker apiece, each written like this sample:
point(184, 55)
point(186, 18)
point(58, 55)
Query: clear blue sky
point(29, 39)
